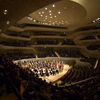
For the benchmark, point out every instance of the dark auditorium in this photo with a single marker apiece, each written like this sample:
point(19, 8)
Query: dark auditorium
point(49, 50)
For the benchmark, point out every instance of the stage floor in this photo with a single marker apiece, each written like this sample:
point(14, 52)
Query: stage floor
point(53, 78)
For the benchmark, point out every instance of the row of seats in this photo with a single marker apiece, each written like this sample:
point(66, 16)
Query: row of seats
point(77, 73)
point(30, 87)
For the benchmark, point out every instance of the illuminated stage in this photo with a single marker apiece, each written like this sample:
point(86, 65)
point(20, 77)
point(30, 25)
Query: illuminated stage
point(53, 78)
point(57, 76)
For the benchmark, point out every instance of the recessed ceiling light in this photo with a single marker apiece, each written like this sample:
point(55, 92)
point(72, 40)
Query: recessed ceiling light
point(34, 20)
point(5, 12)
point(53, 5)
point(42, 12)
point(8, 22)
point(30, 18)
point(41, 15)
point(55, 16)
point(50, 14)
point(51, 17)
point(46, 8)
point(49, 11)
point(59, 12)
point(46, 16)
point(39, 12)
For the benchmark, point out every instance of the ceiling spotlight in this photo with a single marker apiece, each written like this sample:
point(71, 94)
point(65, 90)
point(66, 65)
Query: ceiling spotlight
point(50, 14)
point(46, 16)
point(59, 12)
point(42, 12)
point(39, 12)
point(8, 22)
point(55, 16)
point(93, 21)
point(34, 20)
point(5, 12)
point(51, 17)
point(41, 15)
point(30, 18)
point(46, 8)
point(53, 5)
point(49, 11)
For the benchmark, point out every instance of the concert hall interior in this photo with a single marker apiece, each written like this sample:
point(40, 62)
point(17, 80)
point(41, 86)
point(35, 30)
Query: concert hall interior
point(49, 50)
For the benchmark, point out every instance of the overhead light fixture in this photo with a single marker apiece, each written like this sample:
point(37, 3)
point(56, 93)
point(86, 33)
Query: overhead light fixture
point(46, 16)
point(39, 12)
point(5, 12)
point(51, 17)
point(46, 8)
point(41, 15)
point(59, 12)
point(34, 20)
point(50, 14)
point(42, 12)
point(8, 22)
point(49, 11)
point(55, 16)
point(53, 5)
point(30, 18)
